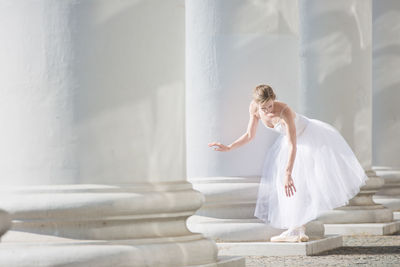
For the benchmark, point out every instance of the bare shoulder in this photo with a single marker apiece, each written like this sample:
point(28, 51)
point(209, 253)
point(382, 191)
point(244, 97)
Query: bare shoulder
point(253, 108)
point(285, 110)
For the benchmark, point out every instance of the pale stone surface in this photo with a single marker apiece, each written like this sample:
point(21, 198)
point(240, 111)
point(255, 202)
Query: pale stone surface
point(236, 230)
point(102, 212)
point(228, 211)
point(92, 222)
point(229, 261)
point(389, 194)
point(361, 210)
point(311, 247)
point(363, 228)
point(179, 251)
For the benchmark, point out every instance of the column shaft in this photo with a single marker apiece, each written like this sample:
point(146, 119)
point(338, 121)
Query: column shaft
point(93, 117)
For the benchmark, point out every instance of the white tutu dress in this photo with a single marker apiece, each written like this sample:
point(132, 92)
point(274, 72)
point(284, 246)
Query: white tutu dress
point(326, 174)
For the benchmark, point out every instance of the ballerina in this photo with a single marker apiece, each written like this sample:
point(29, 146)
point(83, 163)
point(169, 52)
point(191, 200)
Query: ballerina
point(310, 171)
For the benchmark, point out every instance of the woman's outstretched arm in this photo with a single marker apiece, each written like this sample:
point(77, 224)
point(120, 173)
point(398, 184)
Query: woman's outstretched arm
point(245, 138)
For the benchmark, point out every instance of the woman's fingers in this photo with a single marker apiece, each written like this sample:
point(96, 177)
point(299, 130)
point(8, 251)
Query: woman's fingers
point(289, 190)
point(215, 144)
point(218, 146)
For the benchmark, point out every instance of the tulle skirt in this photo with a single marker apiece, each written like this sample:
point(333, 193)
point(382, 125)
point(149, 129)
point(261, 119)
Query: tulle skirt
point(326, 174)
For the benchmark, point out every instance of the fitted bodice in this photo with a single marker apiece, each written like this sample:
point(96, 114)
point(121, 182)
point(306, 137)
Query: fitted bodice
point(300, 121)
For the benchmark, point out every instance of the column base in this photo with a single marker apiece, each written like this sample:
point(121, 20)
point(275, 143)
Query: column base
point(104, 225)
point(95, 253)
point(363, 228)
point(228, 212)
point(352, 220)
point(390, 202)
point(389, 194)
point(357, 215)
point(362, 216)
point(53, 251)
point(243, 230)
point(312, 247)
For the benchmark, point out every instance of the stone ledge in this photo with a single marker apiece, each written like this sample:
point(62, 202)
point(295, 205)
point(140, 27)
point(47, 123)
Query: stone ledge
point(312, 247)
point(363, 228)
point(231, 261)
point(391, 202)
point(101, 212)
point(104, 253)
point(225, 261)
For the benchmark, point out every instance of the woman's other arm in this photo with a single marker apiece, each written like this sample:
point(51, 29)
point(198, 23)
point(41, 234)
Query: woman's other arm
point(288, 117)
point(245, 138)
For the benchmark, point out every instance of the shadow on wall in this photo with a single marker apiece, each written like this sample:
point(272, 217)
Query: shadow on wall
point(386, 126)
point(130, 90)
point(341, 65)
point(386, 82)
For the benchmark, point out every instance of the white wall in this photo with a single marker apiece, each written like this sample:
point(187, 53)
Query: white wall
point(91, 91)
point(386, 83)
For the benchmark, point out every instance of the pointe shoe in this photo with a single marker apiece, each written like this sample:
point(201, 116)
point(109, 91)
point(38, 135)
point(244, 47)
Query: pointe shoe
point(285, 239)
point(303, 238)
point(286, 236)
point(294, 235)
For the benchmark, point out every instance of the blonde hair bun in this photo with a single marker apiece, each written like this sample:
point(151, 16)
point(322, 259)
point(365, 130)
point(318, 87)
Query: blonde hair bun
point(262, 93)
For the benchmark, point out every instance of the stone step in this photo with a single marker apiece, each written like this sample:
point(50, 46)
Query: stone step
point(363, 228)
point(312, 247)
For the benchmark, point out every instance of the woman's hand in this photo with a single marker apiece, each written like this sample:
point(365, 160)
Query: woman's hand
point(219, 146)
point(289, 185)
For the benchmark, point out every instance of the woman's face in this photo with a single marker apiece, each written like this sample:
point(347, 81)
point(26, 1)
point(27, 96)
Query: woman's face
point(267, 107)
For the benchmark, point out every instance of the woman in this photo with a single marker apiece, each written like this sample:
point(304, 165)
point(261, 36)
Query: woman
point(309, 169)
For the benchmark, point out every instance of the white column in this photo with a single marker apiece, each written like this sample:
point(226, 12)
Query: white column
point(232, 46)
point(335, 43)
point(386, 83)
point(92, 149)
